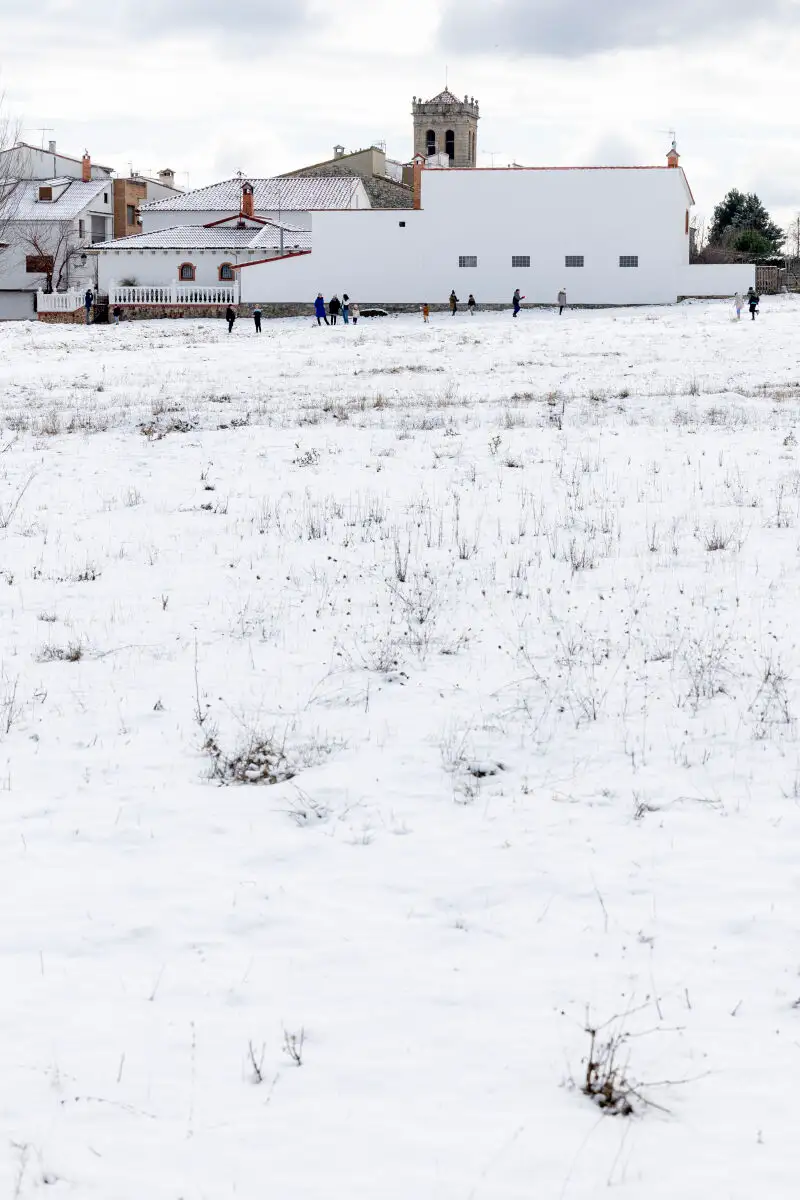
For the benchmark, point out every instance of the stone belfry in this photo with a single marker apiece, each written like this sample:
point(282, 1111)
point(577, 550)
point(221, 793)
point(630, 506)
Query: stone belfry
point(447, 125)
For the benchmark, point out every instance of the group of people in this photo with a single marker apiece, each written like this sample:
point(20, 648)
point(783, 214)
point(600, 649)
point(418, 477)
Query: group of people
point(752, 300)
point(346, 308)
point(516, 303)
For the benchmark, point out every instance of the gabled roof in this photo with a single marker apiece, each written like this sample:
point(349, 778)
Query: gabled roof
point(289, 193)
point(69, 203)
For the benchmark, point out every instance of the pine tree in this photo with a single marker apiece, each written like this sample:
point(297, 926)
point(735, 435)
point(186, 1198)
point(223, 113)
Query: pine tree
point(742, 212)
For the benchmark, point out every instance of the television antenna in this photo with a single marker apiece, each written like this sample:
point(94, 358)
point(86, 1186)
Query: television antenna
point(43, 129)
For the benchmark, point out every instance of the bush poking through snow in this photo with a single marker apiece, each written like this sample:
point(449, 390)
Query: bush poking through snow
point(73, 652)
point(258, 759)
point(293, 1044)
point(605, 1081)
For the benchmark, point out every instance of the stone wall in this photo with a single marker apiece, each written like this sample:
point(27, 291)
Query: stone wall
point(382, 192)
point(63, 318)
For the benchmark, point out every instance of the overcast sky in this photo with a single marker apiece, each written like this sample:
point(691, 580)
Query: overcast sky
point(265, 86)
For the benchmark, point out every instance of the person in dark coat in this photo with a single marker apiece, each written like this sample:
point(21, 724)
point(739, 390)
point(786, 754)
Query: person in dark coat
point(257, 317)
point(471, 305)
point(752, 302)
point(88, 300)
point(319, 309)
point(117, 314)
point(515, 300)
point(346, 309)
point(453, 302)
point(334, 308)
point(230, 317)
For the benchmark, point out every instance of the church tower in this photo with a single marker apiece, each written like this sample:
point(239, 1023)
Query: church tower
point(446, 125)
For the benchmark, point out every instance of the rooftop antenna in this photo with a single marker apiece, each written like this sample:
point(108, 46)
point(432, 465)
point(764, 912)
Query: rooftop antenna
point(43, 129)
point(446, 69)
point(493, 154)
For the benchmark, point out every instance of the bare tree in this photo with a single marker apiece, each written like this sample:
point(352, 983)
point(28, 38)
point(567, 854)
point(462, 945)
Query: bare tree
point(10, 167)
point(55, 244)
point(793, 238)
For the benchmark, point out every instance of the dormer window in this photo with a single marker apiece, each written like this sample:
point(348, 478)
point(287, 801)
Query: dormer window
point(45, 192)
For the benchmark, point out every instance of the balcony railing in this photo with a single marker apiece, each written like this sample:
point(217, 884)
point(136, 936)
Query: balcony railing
point(59, 302)
point(174, 293)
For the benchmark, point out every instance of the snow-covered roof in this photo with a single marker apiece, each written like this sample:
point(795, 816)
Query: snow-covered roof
point(290, 193)
point(267, 235)
point(70, 198)
point(444, 97)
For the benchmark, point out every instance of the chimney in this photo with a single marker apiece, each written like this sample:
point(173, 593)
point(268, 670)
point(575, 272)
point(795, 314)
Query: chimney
point(338, 151)
point(51, 147)
point(167, 177)
point(673, 158)
point(247, 200)
point(418, 160)
point(86, 174)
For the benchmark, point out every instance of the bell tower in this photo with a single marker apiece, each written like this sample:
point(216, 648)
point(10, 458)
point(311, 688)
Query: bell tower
point(447, 125)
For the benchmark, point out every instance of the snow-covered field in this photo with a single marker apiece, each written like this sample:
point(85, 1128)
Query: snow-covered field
point(514, 603)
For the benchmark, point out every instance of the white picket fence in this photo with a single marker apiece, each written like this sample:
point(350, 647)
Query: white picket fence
point(174, 293)
point(59, 302)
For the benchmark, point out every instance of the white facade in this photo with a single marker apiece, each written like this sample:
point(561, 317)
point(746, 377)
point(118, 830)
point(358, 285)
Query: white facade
point(601, 216)
point(65, 226)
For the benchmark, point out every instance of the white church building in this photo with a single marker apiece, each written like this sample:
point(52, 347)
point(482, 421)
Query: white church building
point(606, 235)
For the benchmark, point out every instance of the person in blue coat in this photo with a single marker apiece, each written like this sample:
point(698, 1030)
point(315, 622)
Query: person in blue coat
point(319, 309)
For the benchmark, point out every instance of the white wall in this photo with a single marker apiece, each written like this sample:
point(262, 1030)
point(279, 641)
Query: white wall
point(600, 214)
point(716, 279)
point(14, 278)
point(160, 267)
point(28, 162)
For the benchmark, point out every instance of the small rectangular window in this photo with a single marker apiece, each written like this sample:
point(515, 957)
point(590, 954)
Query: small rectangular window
point(402, 224)
point(468, 260)
point(573, 260)
point(131, 214)
point(629, 260)
point(81, 228)
point(105, 197)
point(39, 264)
point(45, 192)
point(520, 260)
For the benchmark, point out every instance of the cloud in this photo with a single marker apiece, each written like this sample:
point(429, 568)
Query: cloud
point(575, 28)
point(258, 22)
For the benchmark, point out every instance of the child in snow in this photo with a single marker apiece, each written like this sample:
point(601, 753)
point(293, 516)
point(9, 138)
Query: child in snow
point(257, 317)
point(453, 302)
point(752, 302)
point(354, 313)
point(738, 304)
point(117, 314)
point(230, 317)
point(319, 309)
point(471, 305)
point(426, 312)
point(516, 301)
point(562, 300)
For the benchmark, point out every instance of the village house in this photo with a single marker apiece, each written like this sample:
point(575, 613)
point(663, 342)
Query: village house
point(48, 227)
point(134, 190)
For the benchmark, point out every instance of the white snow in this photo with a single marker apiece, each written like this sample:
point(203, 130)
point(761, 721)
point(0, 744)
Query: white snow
point(517, 601)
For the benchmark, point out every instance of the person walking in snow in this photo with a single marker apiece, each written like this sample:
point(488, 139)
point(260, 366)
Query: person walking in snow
point(334, 308)
point(562, 300)
point(257, 317)
point(319, 309)
point(752, 302)
point(738, 304)
point(471, 305)
point(354, 313)
point(117, 314)
point(346, 308)
point(88, 300)
point(426, 312)
point(453, 302)
point(516, 301)
point(230, 317)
